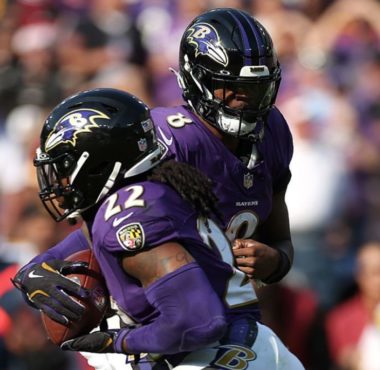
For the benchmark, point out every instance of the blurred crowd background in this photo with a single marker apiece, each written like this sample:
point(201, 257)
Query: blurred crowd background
point(327, 310)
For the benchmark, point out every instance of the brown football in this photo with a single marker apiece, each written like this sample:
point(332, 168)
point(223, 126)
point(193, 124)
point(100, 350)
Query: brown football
point(96, 304)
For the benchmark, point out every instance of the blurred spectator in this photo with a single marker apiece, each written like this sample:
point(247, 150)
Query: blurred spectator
point(23, 342)
point(35, 233)
point(353, 330)
point(105, 37)
point(37, 79)
point(318, 191)
point(109, 25)
point(128, 77)
point(7, 271)
point(292, 312)
point(9, 300)
point(17, 147)
point(16, 143)
point(9, 74)
point(162, 38)
point(275, 16)
point(26, 346)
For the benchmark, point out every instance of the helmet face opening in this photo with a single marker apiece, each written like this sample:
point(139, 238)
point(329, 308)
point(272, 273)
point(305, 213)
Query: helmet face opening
point(243, 94)
point(241, 101)
point(229, 71)
point(58, 195)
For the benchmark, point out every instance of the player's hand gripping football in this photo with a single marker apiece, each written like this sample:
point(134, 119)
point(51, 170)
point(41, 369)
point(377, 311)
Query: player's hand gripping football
point(256, 259)
point(47, 288)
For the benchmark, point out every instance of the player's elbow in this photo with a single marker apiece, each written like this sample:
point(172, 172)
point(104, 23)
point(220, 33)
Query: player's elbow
point(193, 330)
point(202, 335)
point(176, 335)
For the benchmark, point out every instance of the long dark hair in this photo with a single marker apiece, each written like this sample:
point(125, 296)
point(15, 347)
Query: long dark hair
point(190, 183)
point(193, 186)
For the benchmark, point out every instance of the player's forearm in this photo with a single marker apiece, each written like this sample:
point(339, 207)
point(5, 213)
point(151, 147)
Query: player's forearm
point(286, 251)
point(191, 315)
point(74, 242)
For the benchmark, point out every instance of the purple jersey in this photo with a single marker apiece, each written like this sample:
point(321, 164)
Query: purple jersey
point(147, 214)
point(244, 183)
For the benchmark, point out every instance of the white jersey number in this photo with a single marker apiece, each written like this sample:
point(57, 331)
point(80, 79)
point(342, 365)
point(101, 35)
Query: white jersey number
point(239, 290)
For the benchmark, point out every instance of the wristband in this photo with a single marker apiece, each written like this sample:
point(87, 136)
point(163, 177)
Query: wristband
point(282, 269)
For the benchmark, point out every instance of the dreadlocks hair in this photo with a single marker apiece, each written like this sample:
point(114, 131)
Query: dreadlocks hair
point(190, 183)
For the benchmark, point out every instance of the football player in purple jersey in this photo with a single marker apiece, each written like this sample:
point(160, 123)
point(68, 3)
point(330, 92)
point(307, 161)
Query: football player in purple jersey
point(154, 229)
point(231, 130)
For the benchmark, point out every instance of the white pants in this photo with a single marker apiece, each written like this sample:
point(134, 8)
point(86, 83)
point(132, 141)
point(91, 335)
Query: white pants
point(267, 353)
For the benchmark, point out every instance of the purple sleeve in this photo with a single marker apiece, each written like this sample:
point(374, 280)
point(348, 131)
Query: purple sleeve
point(169, 141)
point(74, 242)
point(190, 318)
point(282, 149)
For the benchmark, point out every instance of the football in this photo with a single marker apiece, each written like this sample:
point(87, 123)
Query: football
point(96, 304)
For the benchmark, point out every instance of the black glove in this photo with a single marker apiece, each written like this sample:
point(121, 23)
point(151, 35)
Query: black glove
point(109, 341)
point(48, 289)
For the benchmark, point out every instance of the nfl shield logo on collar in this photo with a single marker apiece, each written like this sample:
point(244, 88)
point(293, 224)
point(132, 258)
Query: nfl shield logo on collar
point(248, 180)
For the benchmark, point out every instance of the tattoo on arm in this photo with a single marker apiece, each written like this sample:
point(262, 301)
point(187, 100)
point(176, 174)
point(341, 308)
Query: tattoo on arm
point(149, 266)
point(165, 263)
